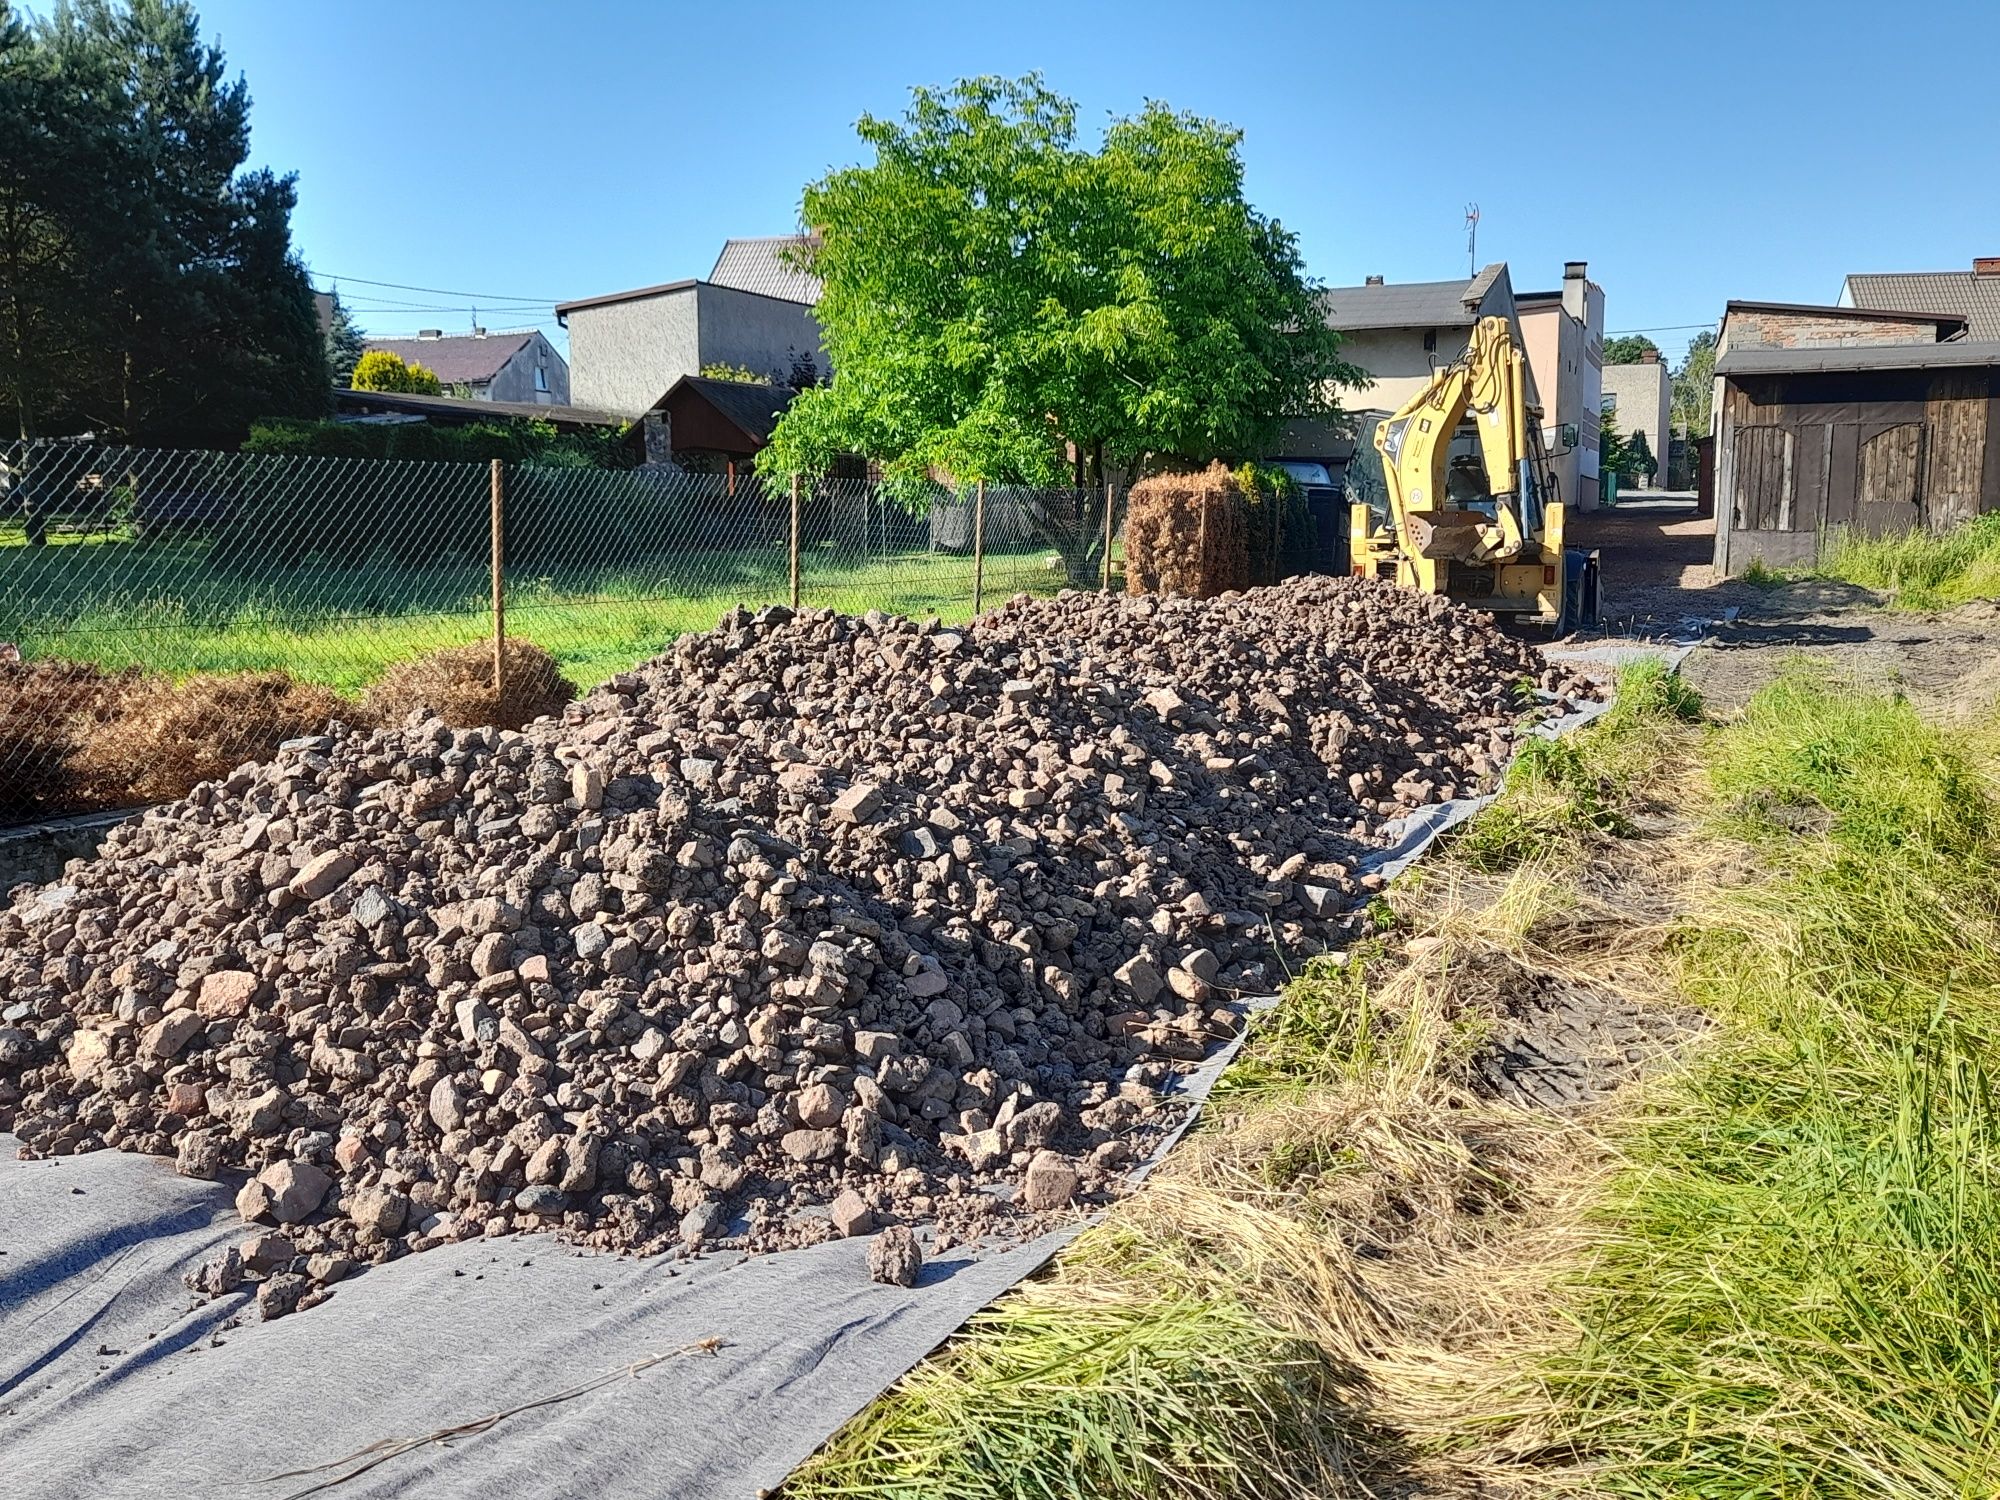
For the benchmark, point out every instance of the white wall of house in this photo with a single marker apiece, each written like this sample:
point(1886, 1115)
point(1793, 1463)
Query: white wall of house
point(1397, 364)
point(622, 355)
point(1643, 399)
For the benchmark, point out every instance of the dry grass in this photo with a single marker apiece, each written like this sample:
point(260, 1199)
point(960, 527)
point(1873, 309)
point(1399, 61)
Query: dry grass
point(164, 737)
point(1187, 534)
point(48, 711)
point(74, 738)
point(457, 685)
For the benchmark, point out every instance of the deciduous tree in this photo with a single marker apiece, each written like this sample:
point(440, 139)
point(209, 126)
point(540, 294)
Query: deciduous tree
point(1694, 386)
point(1628, 349)
point(1002, 303)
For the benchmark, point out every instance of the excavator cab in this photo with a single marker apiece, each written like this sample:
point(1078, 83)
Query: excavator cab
point(1485, 529)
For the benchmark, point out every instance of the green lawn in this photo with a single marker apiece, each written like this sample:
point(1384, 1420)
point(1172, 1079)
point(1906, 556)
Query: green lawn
point(161, 606)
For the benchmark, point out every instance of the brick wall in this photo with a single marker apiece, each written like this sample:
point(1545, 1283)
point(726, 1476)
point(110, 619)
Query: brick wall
point(1820, 330)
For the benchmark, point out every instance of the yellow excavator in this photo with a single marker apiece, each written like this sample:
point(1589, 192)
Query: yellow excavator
point(1493, 540)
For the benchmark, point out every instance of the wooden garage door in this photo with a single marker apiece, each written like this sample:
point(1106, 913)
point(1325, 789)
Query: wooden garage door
point(1763, 498)
point(1889, 477)
point(1954, 448)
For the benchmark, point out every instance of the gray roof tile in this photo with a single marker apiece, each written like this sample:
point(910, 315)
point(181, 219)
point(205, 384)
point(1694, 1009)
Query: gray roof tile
point(1765, 360)
point(1974, 298)
point(459, 359)
point(760, 265)
point(1409, 304)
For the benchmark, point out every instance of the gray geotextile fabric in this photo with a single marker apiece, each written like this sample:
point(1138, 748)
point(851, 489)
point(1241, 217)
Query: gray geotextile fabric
point(116, 1383)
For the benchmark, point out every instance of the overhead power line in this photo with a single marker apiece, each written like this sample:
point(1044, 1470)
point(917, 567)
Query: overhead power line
point(438, 291)
point(1619, 333)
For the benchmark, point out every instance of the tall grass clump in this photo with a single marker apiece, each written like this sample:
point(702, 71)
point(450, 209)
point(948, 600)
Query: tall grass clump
point(1919, 569)
point(1797, 1283)
point(1561, 792)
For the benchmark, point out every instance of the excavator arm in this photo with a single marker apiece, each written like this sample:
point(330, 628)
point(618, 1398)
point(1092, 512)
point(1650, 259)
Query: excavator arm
point(1488, 381)
point(1510, 559)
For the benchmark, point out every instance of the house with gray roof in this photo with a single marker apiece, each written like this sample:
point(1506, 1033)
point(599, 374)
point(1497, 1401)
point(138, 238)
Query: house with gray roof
point(1400, 332)
point(518, 366)
point(753, 312)
point(1973, 296)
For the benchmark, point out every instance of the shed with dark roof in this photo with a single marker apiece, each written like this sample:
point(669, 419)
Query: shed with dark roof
point(729, 416)
point(728, 421)
point(1877, 419)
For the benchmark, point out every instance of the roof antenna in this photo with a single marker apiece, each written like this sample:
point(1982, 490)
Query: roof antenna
point(1472, 238)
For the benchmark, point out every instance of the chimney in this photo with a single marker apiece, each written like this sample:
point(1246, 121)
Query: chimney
point(1374, 281)
point(1575, 300)
point(1649, 356)
point(1986, 265)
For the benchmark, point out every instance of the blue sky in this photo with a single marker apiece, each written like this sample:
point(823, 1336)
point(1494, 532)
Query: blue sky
point(1690, 152)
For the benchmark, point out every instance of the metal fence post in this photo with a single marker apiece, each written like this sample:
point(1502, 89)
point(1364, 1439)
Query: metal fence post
point(1109, 528)
point(795, 541)
point(499, 508)
point(979, 547)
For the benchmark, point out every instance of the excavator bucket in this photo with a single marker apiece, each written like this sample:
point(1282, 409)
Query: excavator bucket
point(1444, 533)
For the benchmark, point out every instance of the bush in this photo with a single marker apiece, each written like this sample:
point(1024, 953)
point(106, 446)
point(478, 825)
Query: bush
point(48, 710)
point(518, 442)
point(1187, 534)
point(456, 684)
point(155, 744)
point(380, 370)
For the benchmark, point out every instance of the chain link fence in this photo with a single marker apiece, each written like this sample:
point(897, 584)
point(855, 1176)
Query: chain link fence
point(139, 577)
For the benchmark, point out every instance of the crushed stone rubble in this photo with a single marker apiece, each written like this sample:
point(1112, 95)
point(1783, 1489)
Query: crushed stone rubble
point(815, 926)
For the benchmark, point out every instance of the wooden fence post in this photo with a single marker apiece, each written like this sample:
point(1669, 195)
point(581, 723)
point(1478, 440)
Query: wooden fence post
point(1200, 586)
point(979, 547)
point(499, 508)
point(1110, 497)
point(795, 541)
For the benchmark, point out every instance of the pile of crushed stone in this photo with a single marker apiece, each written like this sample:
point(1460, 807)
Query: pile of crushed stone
point(817, 925)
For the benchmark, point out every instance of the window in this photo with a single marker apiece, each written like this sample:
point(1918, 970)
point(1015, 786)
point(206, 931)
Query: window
point(1305, 472)
point(1609, 405)
point(541, 379)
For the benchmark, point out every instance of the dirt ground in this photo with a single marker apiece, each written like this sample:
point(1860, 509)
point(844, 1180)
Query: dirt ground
point(1657, 581)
